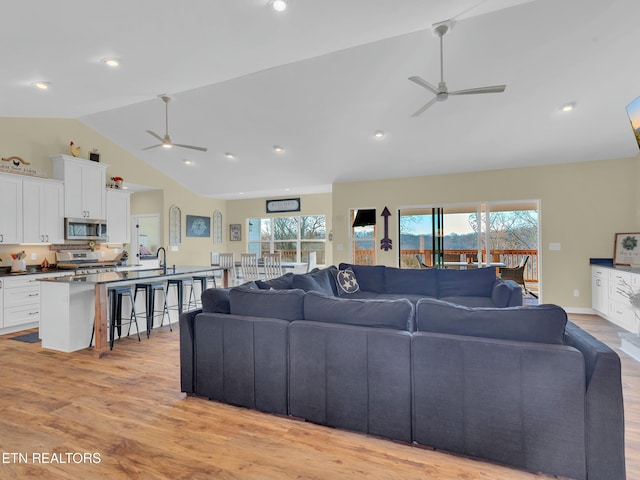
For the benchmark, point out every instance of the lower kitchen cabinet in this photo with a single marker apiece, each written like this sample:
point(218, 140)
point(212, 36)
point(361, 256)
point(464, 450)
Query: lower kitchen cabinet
point(613, 291)
point(21, 301)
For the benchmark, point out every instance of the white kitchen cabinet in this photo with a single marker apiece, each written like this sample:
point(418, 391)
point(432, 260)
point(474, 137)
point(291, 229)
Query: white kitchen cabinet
point(11, 209)
point(84, 186)
point(21, 300)
point(43, 211)
point(118, 215)
point(600, 289)
point(611, 289)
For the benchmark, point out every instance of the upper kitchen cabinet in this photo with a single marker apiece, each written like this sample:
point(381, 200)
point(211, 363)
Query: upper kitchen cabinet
point(84, 185)
point(43, 211)
point(118, 215)
point(11, 211)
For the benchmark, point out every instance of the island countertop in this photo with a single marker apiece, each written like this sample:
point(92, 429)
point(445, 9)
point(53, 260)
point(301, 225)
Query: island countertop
point(131, 275)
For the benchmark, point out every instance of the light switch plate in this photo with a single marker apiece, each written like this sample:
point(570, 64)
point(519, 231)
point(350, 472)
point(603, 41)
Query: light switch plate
point(554, 246)
point(34, 256)
point(174, 248)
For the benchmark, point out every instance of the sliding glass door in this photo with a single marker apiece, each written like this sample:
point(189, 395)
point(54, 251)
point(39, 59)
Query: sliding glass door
point(462, 236)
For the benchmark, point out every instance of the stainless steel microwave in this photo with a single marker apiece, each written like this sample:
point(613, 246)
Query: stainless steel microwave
point(85, 229)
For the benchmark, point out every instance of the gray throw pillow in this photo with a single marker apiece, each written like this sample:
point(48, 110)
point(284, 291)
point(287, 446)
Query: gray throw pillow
point(283, 304)
point(536, 323)
point(397, 314)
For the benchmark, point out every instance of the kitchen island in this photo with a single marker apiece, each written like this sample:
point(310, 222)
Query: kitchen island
point(72, 306)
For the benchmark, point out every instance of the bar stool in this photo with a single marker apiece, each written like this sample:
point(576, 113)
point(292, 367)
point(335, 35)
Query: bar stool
point(116, 319)
point(204, 284)
point(149, 290)
point(179, 283)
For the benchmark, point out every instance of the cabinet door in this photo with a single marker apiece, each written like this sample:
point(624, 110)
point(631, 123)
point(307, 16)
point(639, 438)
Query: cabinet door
point(11, 209)
point(93, 184)
point(53, 208)
point(42, 214)
point(32, 212)
point(118, 216)
point(600, 290)
point(73, 206)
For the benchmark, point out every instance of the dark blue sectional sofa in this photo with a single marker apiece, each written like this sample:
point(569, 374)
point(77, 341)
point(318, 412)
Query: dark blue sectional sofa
point(510, 384)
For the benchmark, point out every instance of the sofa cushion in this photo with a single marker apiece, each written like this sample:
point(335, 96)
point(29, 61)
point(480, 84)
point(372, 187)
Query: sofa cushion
point(537, 323)
point(370, 277)
point(283, 304)
point(396, 314)
point(501, 294)
point(216, 300)
point(285, 282)
point(318, 281)
point(411, 281)
point(471, 282)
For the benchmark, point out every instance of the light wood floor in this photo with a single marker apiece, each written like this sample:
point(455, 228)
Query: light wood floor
point(127, 410)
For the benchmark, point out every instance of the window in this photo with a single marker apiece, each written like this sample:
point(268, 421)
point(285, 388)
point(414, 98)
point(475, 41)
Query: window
point(293, 237)
point(363, 236)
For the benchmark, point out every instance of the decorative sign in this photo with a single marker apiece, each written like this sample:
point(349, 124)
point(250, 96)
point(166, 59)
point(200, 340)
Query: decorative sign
point(18, 166)
point(284, 205)
point(385, 243)
point(235, 232)
point(217, 227)
point(627, 249)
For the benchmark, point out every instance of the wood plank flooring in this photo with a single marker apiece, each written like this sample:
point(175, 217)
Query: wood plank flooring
point(61, 413)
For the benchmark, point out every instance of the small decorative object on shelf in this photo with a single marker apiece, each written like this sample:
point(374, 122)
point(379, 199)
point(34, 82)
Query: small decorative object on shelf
point(116, 182)
point(75, 151)
point(18, 264)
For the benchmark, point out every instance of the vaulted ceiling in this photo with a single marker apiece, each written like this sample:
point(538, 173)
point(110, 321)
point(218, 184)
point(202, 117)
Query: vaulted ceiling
point(321, 77)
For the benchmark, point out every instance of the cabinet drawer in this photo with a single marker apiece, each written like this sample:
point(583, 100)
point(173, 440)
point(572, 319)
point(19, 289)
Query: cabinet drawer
point(27, 295)
point(623, 315)
point(600, 271)
point(21, 314)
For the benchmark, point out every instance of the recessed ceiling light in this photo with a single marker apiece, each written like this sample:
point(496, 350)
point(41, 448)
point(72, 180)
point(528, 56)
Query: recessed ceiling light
point(278, 5)
point(230, 156)
point(41, 85)
point(567, 107)
point(111, 62)
point(378, 134)
point(187, 161)
point(278, 149)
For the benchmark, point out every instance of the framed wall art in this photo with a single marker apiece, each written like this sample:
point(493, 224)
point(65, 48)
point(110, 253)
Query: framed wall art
point(626, 250)
point(235, 232)
point(198, 226)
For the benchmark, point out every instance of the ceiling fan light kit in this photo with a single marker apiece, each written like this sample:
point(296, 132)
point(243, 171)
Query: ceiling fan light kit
point(441, 92)
point(165, 141)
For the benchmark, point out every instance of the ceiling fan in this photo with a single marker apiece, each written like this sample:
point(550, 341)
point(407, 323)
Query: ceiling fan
point(441, 92)
point(166, 140)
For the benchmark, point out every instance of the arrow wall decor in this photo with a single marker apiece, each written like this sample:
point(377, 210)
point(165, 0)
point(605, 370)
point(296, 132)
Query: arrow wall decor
point(385, 243)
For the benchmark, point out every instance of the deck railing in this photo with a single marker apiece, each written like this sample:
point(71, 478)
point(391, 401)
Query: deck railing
point(408, 258)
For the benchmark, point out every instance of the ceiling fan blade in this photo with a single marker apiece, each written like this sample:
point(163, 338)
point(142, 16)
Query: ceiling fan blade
point(425, 106)
point(424, 83)
point(152, 146)
point(193, 147)
point(154, 134)
point(473, 91)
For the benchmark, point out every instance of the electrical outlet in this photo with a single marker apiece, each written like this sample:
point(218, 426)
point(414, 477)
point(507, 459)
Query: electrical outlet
point(34, 256)
point(102, 254)
point(576, 293)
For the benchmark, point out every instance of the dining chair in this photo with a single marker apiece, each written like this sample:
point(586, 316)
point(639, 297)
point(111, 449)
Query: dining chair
point(249, 267)
point(272, 265)
point(227, 261)
point(516, 274)
point(312, 262)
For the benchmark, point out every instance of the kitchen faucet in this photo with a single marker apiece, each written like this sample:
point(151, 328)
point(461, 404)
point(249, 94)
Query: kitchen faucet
point(163, 264)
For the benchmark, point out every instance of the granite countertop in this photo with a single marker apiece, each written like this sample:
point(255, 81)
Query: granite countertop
point(31, 270)
point(131, 276)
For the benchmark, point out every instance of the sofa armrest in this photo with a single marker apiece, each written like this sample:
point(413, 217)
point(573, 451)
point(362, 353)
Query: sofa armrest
point(186, 350)
point(604, 405)
point(506, 293)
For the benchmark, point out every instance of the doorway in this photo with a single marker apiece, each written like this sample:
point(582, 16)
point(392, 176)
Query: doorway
point(145, 235)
